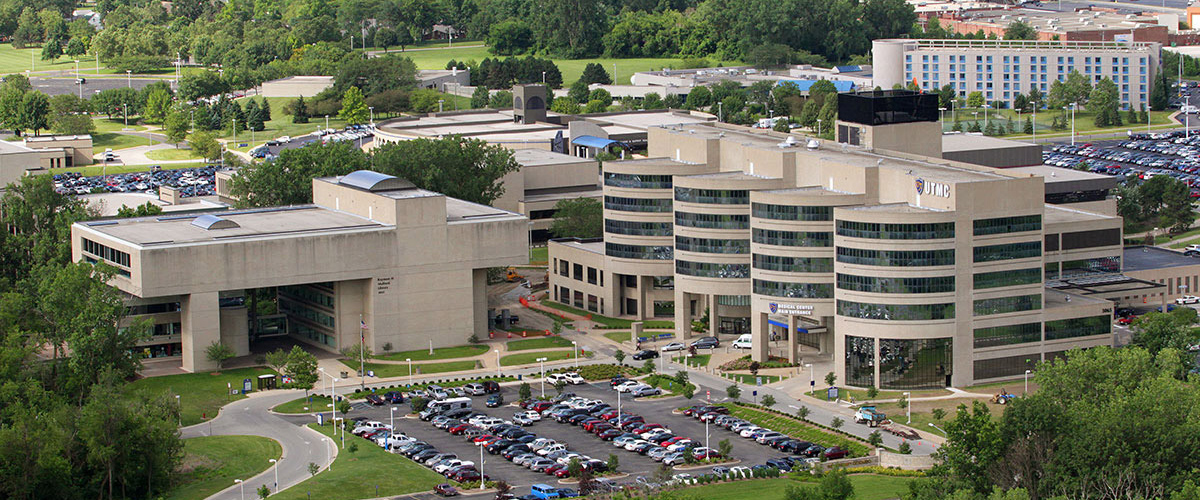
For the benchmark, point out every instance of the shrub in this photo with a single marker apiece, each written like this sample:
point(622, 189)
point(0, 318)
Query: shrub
point(689, 391)
point(419, 404)
point(768, 400)
point(875, 439)
point(905, 448)
point(733, 391)
point(872, 393)
point(837, 422)
point(524, 391)
point(620, 356)
point(648, 367)
point(802, 412)
point(613, 462)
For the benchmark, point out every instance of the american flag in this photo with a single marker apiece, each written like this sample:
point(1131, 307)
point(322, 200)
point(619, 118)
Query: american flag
point(362, 331)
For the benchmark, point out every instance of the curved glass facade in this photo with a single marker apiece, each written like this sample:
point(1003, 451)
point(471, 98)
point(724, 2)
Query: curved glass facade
point(1008, 278)
point(710, 245)
point(1002, 225)
point(644, 252)
point(895, 312)
point(792, 238)
point(712, 221)
point(1001, 305)
point(860, 361)
point(713, 196)
point(793, 264)
point(872, 284)
point(711, 270)
point(638, 181)
point(874, 230)
point(638, 228)
point(1023, 250)
point(791, 212)
point(624, 204)
point(896, 258)
point(794, 290)
point(915, 364)
point(1008, 335)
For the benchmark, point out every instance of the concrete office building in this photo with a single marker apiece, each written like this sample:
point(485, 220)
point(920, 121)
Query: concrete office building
point(372, 250)
point(911, 270)
point(1001, 69)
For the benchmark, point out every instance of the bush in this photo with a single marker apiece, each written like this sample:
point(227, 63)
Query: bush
point(648, 367)
point(905, 448)
point(768, 400)
point(733, 391)
point(837, 422)
point(613, 462)
point(689, 391)
point(885, 471)
point(419, 404)
point(601, 372)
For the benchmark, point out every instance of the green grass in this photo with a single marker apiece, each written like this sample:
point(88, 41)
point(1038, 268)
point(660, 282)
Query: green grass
point(797, 429)
point(527, 358)
point(697, 360)
point(122, 169)
point(172, 154)
point(105, 140)
point(303, 405)
point(1158, 240)
point(109, 125)
point(861, 394)
point(356, 475)
point(201, 393)
point(462, 351)
point(17, 61)
point(539, 255)
point(1084, 121)
point(280, 124)
point(866, 487)
point(618, 336)
point(538, 343)
point(401, 370)
point(213, 462)
point(748, 379)
point(605, 321)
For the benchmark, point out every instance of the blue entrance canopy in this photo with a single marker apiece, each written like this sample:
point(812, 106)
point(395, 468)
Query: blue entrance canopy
point(784, 326)
point(592, 141)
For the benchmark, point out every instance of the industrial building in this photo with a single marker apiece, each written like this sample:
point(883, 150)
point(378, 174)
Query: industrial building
point(911, 270)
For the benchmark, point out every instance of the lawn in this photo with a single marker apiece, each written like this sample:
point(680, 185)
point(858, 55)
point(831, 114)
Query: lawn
point(202, 393)
point(304, 405)
point(172, 154)
point(110, 125)
point(527, 358)
point(115, 141)
point(749, 379)
point(462, 351)
point(401, 370)
point(538, 343)
point(866, 487)
point(798, 429)
point(1084, 121)
point(605, 321)
point(922, 412)
point(211, 463)
point(369, 472)
point(861, 394)
point(122, 169)
point(1158, 240)
point(697, 360)
point(539, 255)
point(618, 336)
point(17, 61)
point(281, 124)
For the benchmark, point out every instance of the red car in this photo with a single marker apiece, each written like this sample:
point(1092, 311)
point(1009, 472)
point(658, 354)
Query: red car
point(608, 415)
point(563, 472)
point(1127, 320)
point(445, 490)
point(609, 434)
point(483, 438)
point(835, 453)
point(468, 475)
point(541, 406)
point(599, 429)
point(554, 468)
point(458, 429)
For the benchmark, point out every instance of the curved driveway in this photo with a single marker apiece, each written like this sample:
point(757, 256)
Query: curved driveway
point(250, 416)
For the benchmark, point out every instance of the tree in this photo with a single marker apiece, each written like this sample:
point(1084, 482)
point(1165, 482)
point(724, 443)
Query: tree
point(699, 98)
point(302, 368)
point(276, 360)
point(938, 414)
point(254, 120)
point(313, 469)
point(613, 462)
point(176, 127)
point(596, 106)
point(502, 100)
point(595, 73)
point(1028, 126)
point(218, 353)
point(263, 492)
point(733, 391)
point(288, 179)
point(354, 109)
point(904, 448)
point(205, 145)
point(887, 18)
point(875, 439)
point(830, 379)
point(975, 99)
point(1020, 30)
point(974, 444)
point(872, 392)
point(1078, 89)
point(1158, 93)
point(70, 115)
point(770, 55)
point(158, 104)
point(768, 400)
point(75, 47)
point(560, 386)
point(648, 366)
point(52, 49)
point(1156, 331)
point(509, 37)
point(467, 169)
point(35, 112)
point(479, 98)
point(1105, 101)
point(620, 357)
point(579, 92)
point(836, 423)
point(578, 218)
point(299, 111)
point(524, 392)
point(144, 210)
point(803, 412)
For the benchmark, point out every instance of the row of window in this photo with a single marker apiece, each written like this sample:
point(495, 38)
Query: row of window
point(790, 212)
point(1023, 250)
point(793, 290)
point(623, 204)
point(962, 59)
point(903, 364)
point(1099, 265)
point(581, 301)
point(873, 284)
point(711, 270)
point(594, 276)
point(308, 294)
point(1002, 225)
point(1008, 278)
point(895, 312)
point(892, 231)
point(300, 310)
point(793, 264)
point(1001, 305)
point(713, 196)
point(792, 238)
point(712, 221)
point(1008, 335)
point(109, 254)
point(711, 245)
point(644, 252)
point(637, 181)
point(1078, 327)
point(631, 228)
point(896, 258)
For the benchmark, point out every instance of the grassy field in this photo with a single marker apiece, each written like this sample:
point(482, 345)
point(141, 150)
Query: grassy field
point(172, 154)
point(211, 463)
point(122, 169)
point(697, 360)
point(1084, 121)
point(539, 343)
point(361, 474)
point(866, 487)
point(539, 255)
point(281, 124)
point(798, 429)
point(17, 61)
point(202, 393)
point(618, 336)
point(861, 394)
point(115, 141)
point(605, 321)
point(107, 125)
point(462, 351)
point(922, 412)
point(304, 405)
point(527, 358)
point(401, 370)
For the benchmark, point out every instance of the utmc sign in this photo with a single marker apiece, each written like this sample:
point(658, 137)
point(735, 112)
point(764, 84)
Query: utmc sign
point(933, 188)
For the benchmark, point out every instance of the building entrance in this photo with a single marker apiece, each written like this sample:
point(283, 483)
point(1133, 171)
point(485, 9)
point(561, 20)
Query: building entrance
point(734, 326)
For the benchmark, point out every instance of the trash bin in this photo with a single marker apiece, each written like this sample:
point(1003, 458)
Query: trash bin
point(345, 375)
point(518, 376)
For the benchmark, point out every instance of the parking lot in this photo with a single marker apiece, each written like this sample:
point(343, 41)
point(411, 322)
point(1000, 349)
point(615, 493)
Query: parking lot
point(190, 182)
point(577, 439)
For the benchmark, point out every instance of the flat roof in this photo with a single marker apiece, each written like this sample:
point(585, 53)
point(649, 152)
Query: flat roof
point(1058, 214)
point(52, 138)
point(282, 221)
point(1104, 285)
point(109, 203)
point(464, 211)
point(1144, 258)
point(1058, 298)
point(565, 194)
point(1068, 180)
point(736, 175)
point(897, 208)
point(13, 147)
point(594, 245)
point(643, 120)
point(953, 143)
point(530, 157)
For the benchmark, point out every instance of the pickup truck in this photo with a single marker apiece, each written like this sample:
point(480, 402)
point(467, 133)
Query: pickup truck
point(868, 415)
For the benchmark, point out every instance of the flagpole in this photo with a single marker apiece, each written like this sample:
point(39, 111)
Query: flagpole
point(362, 335)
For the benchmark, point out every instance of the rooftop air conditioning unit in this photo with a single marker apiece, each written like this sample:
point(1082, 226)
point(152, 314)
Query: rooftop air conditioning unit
point(813, 145)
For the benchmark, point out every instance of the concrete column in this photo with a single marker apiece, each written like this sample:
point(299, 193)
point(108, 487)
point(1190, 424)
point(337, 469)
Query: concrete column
point(713, 321)
point(235, 331)
point(636, 331)
point(791, 338)
point(760, 331)
point(200, 320)
point(875, 355)
point(825, 341)
point(479, 302)
point(683, 314)
point(645, 310)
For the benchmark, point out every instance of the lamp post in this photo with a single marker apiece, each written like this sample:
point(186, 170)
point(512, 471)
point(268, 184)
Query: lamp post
point(811, 381)
point(908, 405)
point(129, 78)
point(326, 122)
point(78, 81)
point(720, 111)
point(1035, 107)
point(542, 361)
point(482, 482)
point(543, 78)
point(662, 358)
point(985, 114)
point(938, 428)
point(409, 370)
point(371, 109)
point(325, 444)
point(818, 127)
point(440, 103)
point(497, 362)
point(242, 487)
point(575, 347)
point(180, 405)
point(276, 462)
point(1027, 372)
point(619, 409)
point(393, 424)
point(1073, 106)
point(942, 117)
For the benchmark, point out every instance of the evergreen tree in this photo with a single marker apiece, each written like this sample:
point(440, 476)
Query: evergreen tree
point(1028, 125)
point(479, 98)
point(594, 73)
point(975, 127)
point(300, 113)
point(579, 92)
point(990, 129)
point(264, 109)
point(1131, 116)
point(957, 126)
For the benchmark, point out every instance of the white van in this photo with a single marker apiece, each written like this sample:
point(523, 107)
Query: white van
point(1189, 109)
point(743, 342)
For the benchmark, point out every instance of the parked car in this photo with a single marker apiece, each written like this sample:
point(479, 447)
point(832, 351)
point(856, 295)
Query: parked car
point(706, 343)
point(494, 401)
point(445, 490)
point(574, 378)
point(645, 354)
point(645, 390)
point(1188, 299)
point(835, 453)
point(674, 346)
point(375, 400)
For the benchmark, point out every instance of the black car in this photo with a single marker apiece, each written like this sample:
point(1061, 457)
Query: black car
point(494, 401)
point(618, 380)
point(706, 343)
point(795, 446)
point(515, 450)
point(645, 354)
point(375, 399)
point(780, 464)
point(394, 397)
point(490, 387)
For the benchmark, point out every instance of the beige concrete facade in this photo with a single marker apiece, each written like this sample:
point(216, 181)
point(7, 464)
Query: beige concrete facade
point(17, 161)
point(62, 151)
point(409, 264)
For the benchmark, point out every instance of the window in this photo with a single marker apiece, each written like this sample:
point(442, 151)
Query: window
point(1078, 327)
point(542, 214)
point(733, 300)
point(1099, 265)
point(1004, 225)
point(637, 228)
point(713, 196)
point(578, 272)
point(710, 270)
point(872, 284)
point(793, 264)
point(915, 364)
point(591, 275)
point(710, 245)
point(644, 252)
point(664, 308)
point(1024, 250)
point(564, 268)
point(1008, 278)
point(895, 312)
point(789, 212)
point(111, 255)
point(1091, 239)
point(637, 204)
point(885, 231)
point(1001, 305)
point(792, 238)
point(638, 181)
point(1004, 367)
point(794, 290)
point(1008, 335)
point(896, 258)
point(308, 294)
point(664, 283)
point(860, 361)
point(712, 221)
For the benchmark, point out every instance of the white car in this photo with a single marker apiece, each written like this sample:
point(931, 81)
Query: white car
point(551, 449)
point(679, 445)
point(748, 431)
point(284, 140)
point(674, 346)
point(627, 385)
point(1188, 299)
point(634, 444)
point(532, 415)
point(539, 443)
point(623, 440)
point(522, 420)
point(574, 378)
point(555, 378)
point(450, 464)
point(741, 471)
point(683, 478)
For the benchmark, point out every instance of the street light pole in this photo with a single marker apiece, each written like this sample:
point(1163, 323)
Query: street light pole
point(811, 382)
point(276, 462)
point(440, 101)
point(78, 80)
point(482, 482)
point(908, 406)
point(129, 78)
point(242, 487)
point(409, 370)
point(180, 405)
point(575, 346)
point(326, 122)
point(818, 127)
point(1035, 107)
point(1027, 372)
point(498, 363)
point(542, 361)
point(371, 109)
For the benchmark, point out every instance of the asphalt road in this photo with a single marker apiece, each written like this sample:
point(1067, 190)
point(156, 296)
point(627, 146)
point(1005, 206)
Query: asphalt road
point(249, 416)
point(56, 86)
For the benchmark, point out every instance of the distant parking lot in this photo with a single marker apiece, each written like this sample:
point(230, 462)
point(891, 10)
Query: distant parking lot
point(190, 182)
point(91, 86)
